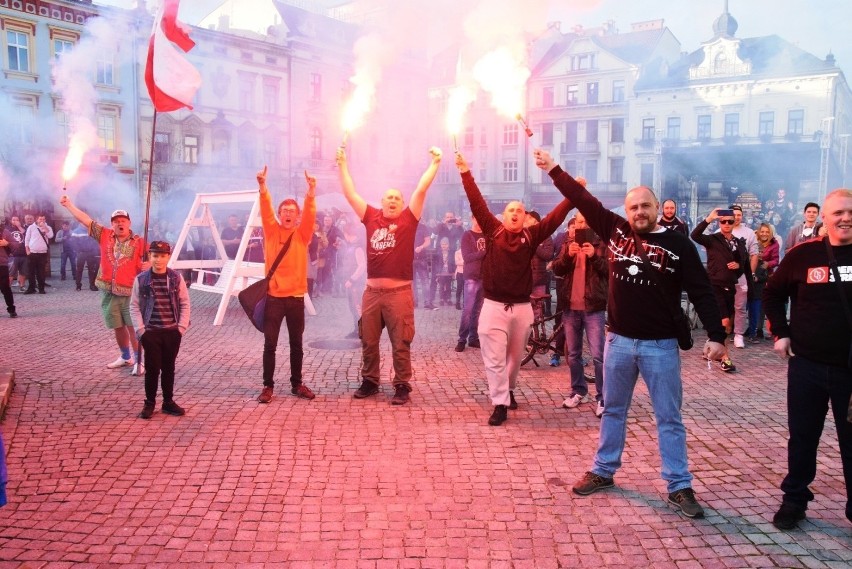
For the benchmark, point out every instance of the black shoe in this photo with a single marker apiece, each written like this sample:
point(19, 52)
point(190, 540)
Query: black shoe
point(42, 292)
point(172, 408)
point(400, 395)
point(79, 287)
point(147, 410)
point(13, 314)
point(460, 347)
point(591, 483)
point(29, 292)
point(62, 278)
point(367, 389)
point(93, 287)
point(499, 416)
point(788, 516)
point(512, 403)
point(685, 501)
point(474, 344)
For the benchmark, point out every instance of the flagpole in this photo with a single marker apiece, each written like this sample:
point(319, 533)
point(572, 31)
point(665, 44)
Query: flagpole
point(150, 179)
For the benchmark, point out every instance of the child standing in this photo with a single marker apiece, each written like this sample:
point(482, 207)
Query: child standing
point(159, 309)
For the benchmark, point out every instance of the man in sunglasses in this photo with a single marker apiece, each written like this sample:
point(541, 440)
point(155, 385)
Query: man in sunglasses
point(727, 261)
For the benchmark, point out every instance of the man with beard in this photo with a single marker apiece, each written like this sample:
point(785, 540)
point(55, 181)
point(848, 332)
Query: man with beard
point(670, 220)
point(642, 336)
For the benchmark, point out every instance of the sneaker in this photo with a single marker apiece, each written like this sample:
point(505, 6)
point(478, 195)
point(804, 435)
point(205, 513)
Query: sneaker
point(753, 340)
point(172, 408)
point(367, 388)
point(575, 400)
point(429, 306)
point(138, 370)
point(120, 362)
point(400, 395)
point(265, 395)
point(302, 391)
point(591, 483)
point(788, 516)
point(474, 344)
point(499, 416)
point(79, 287)
point(685, 500)
point(727, 365)
point(13, 314)
point(147, 410)
point(554, 360)
point(460, 347)
point(738, 341)
point(512, 403)
point(599, 410)
point(93, 287)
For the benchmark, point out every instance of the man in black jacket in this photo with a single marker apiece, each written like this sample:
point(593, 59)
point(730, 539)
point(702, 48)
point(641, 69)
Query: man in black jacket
point(727, 260)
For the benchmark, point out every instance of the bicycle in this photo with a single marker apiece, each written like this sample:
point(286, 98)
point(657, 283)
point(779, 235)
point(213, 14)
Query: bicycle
point(540, 342)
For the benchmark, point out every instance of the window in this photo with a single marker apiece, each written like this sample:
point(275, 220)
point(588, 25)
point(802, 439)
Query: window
point(18, 50)
point(673, 128)
point(591, 171)
point(482, 172)
point(618, 90)
point(591, 93)
point(796, 122)
point(247, 148)
point(571, 167)
point(646, 176)
point(108, 130)
point(510, 170)
point(246, 95)
point(510, 134)
point(648, 129)
point(270, 151)
point(766, 123)
point(583, 62)
point(61, 46)
point(570, 136)
point(162, 147)
point(483, 137)
point(270, 98)
point(573, 96)
point(190, 149)
point(23, 120)
point(616, 170)
point(468, 137)
point(732, 124)
point(547, 133)
point(703, 127)
point(547, 97)
point(316, 88)
point(592, 131)
point(316, 143)
point(105, 74)
point(616, 130)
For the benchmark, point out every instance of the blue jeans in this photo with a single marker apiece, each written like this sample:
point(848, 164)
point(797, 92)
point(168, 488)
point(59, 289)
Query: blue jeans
point(659, 363)
point(575, 321)
point(810, 388)
point(755, 311)
point(473, 297)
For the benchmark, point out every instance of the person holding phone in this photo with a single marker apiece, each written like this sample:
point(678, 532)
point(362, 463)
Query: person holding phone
point(727, 261)
point(584, 266)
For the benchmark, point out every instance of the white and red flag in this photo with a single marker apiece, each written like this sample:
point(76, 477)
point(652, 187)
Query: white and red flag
point(172, 80)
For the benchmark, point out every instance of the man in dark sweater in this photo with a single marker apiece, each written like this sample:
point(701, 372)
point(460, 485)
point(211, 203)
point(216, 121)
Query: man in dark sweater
point(473, 251)
point(642, 332)
point(504, 323)
point(817, 340)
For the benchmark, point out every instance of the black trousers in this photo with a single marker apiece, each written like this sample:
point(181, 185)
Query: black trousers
point(160, 348)
point(6, 288)
point(89, 260)
point(36, 262)
point(278, 309)
point(810, 388)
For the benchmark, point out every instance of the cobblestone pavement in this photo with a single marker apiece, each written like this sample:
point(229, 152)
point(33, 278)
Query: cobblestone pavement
point(336, 482)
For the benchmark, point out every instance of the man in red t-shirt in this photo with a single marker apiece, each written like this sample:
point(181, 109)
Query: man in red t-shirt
point(388, 299)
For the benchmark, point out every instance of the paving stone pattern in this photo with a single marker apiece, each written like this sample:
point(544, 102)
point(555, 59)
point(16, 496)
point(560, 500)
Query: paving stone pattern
point(338, 482)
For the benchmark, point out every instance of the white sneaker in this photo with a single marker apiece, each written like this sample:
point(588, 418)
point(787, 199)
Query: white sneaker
point(138, 370)
point(599, 410)
point(739, 341)
point(120, 362)
point(576, 400)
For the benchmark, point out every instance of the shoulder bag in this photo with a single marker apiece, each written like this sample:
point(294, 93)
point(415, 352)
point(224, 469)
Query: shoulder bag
point(253, 297)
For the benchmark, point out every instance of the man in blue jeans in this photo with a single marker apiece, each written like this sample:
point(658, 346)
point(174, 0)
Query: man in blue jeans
point(473, 251)
point(642, 335)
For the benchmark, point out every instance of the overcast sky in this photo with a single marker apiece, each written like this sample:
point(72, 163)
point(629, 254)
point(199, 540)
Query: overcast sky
point(815, 27)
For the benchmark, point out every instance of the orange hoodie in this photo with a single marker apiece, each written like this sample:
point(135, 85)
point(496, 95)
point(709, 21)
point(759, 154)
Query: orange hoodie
point(291, 276)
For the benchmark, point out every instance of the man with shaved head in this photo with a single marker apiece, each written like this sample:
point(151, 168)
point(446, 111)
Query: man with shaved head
point(642, 336)
point(504, 323)
point(388, 300)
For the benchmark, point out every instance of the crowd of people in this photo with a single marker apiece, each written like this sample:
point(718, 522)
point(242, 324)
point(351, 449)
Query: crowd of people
point(619, 280)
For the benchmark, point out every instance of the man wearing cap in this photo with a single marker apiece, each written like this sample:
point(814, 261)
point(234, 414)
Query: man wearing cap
point(159, 308)
point(121, 261)
point(741, 297)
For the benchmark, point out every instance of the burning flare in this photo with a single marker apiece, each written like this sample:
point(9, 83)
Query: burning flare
point(503, 74)
point(83, 138)
point(357, 107)
point(459, 100)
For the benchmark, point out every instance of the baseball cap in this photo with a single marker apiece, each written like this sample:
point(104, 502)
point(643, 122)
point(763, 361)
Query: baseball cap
point(739, 208)
point(160, 247)
point(119, 213)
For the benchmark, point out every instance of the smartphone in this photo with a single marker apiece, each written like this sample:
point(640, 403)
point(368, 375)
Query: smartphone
point(584, 235)
point(725, 213)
